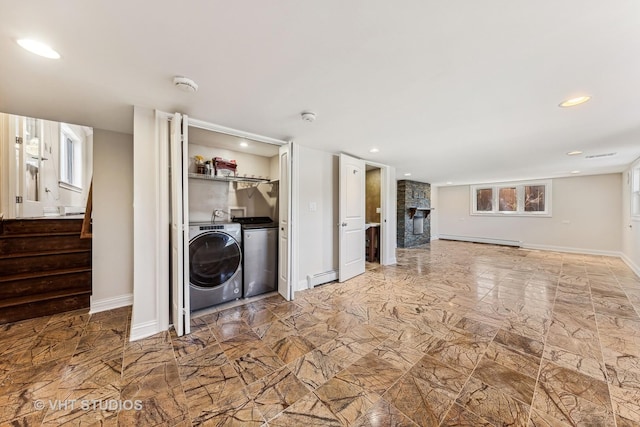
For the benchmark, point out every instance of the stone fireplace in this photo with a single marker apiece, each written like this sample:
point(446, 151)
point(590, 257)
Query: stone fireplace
point(414, 207)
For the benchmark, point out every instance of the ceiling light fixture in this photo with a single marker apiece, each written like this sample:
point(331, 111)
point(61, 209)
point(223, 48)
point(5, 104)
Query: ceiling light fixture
point(374, 150)
point(308, 116)
point(38, 48)
point(185, 84)
point(407, 174)
point(449, 182)
point(575, 172)
point(244, 144)
point(574, 153)
point(575, 101)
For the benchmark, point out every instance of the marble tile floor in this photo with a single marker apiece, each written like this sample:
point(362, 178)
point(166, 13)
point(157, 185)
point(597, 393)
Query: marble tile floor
point(455, 334)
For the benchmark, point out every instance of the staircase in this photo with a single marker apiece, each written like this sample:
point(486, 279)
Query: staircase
point(45, 268)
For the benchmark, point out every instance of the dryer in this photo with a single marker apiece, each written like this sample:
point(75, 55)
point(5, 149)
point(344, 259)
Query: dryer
point(215, 264)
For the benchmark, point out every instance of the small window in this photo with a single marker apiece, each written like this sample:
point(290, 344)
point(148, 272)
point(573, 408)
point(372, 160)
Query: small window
point(71, 152)
point(484, 197)
point(534, 198)
point(508, 199)
point(526, 199)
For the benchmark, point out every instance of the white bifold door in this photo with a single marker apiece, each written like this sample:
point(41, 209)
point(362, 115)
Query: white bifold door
point(284, 223)
point(352, 217)
point(179, 164)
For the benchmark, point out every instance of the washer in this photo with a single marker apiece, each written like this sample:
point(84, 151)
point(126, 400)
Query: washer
point(215, 264)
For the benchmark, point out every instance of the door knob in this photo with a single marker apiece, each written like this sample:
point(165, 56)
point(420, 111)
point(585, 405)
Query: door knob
point(344, 224)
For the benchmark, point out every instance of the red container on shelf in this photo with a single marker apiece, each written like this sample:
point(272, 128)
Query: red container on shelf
point(224, 167)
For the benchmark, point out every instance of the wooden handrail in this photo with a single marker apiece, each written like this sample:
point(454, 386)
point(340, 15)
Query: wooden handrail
point(86, 232)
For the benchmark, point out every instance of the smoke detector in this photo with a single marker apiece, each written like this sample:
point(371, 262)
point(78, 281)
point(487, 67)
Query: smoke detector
point(185, 84)
point(308, 116)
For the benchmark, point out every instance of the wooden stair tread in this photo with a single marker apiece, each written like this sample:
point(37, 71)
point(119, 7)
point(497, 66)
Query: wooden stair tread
point(45, 253)
point(37, 274)
point(29, 235)
point(11, 302)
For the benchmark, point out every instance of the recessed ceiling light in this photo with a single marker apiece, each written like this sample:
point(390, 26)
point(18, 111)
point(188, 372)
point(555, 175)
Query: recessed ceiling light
point(407, 174)
point(575, 101)
point(38, 48)
point(244, 144)
point(374, 150)
point(575, 171)
point(449, 182)
point(574, 153)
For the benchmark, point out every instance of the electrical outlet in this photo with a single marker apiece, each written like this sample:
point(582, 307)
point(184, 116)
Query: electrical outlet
point(378, 210)
point(313, 206)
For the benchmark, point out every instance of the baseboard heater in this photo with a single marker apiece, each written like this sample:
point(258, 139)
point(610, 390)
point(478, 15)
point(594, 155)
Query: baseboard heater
point(321, 278)
point(502, 242)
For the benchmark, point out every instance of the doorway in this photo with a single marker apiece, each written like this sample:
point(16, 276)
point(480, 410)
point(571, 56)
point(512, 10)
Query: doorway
point(208, 189)
point(373, 210)
point(46, 167)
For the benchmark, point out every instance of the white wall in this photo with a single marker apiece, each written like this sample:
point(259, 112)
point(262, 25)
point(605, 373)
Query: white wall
point(318, 231)
point(586, 217)
point(630, 229)
point(205, 196)
point(150, 275)
point(112, 256)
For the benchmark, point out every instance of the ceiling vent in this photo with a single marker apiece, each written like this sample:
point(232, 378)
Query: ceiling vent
point(597, 156)
point(185, 84)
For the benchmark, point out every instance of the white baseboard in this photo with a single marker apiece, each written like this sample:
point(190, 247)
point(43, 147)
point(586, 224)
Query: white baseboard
point(571, 250)
point(144, 330)
point(503, 242)
point(633, 266)
point(301, 286)
point(391, 261)
point(105, 304)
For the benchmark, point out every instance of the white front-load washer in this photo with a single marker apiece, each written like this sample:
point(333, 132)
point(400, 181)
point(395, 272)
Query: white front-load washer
point(215, 264)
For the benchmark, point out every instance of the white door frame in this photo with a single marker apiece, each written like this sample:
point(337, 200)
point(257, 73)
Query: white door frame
point(7, 169)
point(163, 211)
point(388, 202)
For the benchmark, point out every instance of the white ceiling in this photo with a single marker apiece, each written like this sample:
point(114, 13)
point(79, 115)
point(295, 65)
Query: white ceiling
point(461, 91)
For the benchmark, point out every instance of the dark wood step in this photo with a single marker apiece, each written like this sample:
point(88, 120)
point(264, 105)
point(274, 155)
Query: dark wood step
point(55, 304)
point(28, 243)
point(34, 284)
point(42, 262)
point(37, 274)
point(40, 225)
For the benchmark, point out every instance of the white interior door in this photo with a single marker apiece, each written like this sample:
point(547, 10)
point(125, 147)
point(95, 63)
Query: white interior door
point(352, 217)
point(180, 309)
point(28, 156)
point(284, 233)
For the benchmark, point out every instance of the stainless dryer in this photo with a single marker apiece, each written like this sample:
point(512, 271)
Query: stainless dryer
point(215, 264)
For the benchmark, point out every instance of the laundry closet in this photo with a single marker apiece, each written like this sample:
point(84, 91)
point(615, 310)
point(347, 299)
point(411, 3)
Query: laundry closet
point(233, 186)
